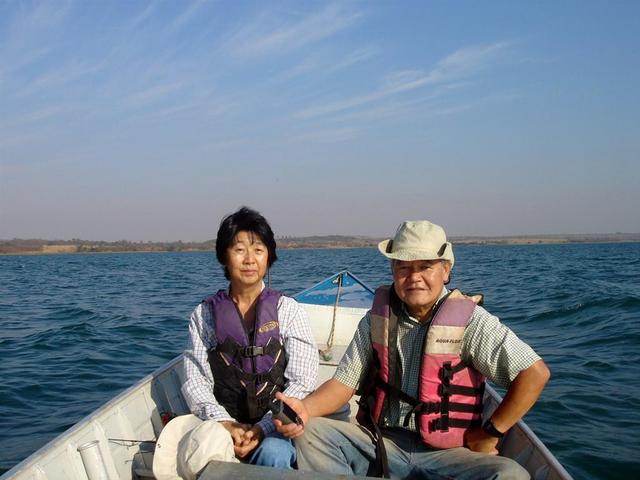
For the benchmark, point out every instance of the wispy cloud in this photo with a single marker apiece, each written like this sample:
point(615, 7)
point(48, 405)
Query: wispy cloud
point(26, 59)
point(186, 16)
point(335, 135)
point(269, 35)
point(354, 58)
point(142, 16)
point(42, 114)
point(61, 76)
point(153, 94)
point(452, 68)
point(326, 66)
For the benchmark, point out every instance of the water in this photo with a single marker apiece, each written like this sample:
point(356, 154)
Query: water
point(77, 329)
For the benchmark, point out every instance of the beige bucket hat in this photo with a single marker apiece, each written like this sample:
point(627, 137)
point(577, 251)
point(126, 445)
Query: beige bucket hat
point(418, 240)
point(187, 444)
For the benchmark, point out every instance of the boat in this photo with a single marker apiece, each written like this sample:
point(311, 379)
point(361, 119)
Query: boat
point(118, 439)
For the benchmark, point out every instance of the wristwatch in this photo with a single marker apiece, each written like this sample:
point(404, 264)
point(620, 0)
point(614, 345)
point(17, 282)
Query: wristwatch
point(491, 429)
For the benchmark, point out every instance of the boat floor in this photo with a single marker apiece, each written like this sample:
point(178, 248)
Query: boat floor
point(230, 471)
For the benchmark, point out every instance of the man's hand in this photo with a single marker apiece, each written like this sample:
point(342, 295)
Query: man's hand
point(292, 430)
point(477, 440)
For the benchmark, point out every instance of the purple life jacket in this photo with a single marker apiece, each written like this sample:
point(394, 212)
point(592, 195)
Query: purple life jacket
point(248, 367)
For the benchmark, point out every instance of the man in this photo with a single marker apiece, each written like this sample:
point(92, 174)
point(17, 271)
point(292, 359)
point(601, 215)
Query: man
point(419, 359)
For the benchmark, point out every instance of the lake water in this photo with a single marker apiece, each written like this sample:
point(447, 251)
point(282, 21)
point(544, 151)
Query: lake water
point(77, 329)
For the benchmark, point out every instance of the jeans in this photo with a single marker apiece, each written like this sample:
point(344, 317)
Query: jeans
point(274, 451)
point(342, 448)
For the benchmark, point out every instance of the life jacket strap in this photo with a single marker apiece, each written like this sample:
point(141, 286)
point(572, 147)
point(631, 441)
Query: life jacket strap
point(393, 390)
point(443, 423)
point(448, 371)
point(437, 407)
point(380, 466)
point(233, 349)
point(260, 378)
point(448, 390)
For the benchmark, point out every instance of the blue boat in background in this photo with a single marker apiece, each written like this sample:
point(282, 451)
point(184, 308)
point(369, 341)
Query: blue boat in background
point(342, 289)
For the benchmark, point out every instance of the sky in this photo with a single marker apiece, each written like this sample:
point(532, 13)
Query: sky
point(151, 120)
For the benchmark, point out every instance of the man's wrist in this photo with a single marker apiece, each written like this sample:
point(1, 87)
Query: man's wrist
point(490, 429)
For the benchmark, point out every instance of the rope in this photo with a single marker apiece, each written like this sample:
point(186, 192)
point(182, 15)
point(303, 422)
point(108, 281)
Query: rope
point(327, 354)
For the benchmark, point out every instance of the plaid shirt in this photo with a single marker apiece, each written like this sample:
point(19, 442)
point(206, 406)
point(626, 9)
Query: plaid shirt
point(300, 374)
point(487, 345)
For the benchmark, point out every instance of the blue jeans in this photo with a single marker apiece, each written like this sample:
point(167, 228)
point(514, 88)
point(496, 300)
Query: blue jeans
point(274, 451)
point(342, 448)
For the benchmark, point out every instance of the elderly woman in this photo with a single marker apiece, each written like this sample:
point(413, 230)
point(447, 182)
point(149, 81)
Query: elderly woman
point(247, 343)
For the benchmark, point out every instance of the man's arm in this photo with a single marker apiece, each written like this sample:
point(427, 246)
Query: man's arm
point(521, 396)
point(496, 352)
point(330, 396)
point(334, 393)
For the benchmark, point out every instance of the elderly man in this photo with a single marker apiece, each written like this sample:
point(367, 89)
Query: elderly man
point(419, 358)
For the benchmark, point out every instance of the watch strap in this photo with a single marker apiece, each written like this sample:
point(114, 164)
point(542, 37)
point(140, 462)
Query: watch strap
point(491, 429)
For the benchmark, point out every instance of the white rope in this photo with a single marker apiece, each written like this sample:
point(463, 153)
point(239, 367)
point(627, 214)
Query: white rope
point(327, 354)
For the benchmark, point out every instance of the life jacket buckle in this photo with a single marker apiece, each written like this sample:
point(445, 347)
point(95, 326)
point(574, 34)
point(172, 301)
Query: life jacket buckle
point(251, 351)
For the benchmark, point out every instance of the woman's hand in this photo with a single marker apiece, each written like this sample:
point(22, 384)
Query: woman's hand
point(242, 444)
point(250, 440)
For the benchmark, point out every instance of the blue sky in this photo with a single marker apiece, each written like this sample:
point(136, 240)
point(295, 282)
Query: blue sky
point(151, 120)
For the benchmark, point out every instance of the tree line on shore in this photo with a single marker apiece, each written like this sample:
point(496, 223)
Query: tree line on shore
point(76, 245)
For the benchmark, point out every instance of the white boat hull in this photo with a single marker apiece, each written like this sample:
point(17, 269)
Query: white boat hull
point(127, 425)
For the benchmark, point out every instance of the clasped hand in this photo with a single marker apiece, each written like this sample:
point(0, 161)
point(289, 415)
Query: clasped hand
point(245, 437)
point(477, 440)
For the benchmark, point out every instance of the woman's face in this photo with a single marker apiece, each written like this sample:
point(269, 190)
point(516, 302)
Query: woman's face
point(247, 259)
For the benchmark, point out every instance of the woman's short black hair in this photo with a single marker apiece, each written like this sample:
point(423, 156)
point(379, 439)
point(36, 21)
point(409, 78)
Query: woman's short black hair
point(248, 220)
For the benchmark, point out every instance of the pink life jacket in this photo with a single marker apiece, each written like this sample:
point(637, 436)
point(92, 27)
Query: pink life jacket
point(449, 392)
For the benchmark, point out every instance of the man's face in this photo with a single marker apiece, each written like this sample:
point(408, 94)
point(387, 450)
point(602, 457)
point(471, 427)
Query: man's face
point(419, 283)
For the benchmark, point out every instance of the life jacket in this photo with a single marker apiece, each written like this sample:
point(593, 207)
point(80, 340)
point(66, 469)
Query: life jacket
point(247, 371)
point(449, 392)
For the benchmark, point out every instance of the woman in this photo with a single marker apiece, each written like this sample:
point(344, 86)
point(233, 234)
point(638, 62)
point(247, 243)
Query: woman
point(247, 343)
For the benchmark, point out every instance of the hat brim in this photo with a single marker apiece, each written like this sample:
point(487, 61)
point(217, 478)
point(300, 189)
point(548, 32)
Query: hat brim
point(410, 255)
point(165, 457)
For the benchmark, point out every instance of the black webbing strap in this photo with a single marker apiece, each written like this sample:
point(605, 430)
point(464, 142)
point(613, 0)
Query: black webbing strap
point(380, 467)
point(443, 423)
point(251, 400)
point(232, 348)
point(447, 390)
point(391, 389)
point(436, 407)
point(258, 378)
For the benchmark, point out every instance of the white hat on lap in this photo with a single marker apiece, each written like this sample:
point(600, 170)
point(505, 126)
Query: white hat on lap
point(187, 444)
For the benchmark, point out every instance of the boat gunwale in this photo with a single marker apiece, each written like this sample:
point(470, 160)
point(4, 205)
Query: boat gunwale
point(31, 460)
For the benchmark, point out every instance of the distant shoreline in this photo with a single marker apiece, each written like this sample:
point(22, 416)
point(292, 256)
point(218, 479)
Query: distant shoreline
point(52, 247)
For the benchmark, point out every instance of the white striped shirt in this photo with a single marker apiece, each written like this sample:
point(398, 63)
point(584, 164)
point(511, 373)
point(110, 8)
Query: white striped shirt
point(300, 373)
point(487, 345)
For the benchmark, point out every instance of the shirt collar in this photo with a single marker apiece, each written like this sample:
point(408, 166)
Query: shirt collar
point(408, 317)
